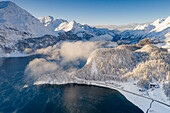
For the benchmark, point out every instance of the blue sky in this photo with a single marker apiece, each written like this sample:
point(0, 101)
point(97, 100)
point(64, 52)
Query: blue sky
point(99, 12)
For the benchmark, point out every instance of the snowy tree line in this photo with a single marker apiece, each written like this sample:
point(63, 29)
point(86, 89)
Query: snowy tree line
point(110, 64)
point(145, 65)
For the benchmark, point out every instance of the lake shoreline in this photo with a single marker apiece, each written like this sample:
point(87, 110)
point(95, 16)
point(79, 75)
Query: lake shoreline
point(142, 103)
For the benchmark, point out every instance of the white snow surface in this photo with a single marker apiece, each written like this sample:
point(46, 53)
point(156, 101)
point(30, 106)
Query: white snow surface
point(51, 22)
point(159, 108)
point(159, 28)
point(152, 26)
point(68, 26)
point(85, 30)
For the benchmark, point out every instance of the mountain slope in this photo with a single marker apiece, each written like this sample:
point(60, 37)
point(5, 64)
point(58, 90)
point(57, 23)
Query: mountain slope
point(17, 23)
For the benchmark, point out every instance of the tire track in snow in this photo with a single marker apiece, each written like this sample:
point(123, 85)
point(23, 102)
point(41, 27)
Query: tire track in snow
point(149, 106)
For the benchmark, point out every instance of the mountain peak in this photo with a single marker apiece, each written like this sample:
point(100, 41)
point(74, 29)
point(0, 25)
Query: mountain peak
point(70, 26)
point(51, 22)
point(73, 23)
point(168, 18)
point(46, 19)
point(50, 18)
point(158, 21)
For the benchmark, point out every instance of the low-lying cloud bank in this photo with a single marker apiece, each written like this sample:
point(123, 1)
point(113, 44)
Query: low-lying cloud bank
point(38, 67)
point(66, 55)
point(72, 51)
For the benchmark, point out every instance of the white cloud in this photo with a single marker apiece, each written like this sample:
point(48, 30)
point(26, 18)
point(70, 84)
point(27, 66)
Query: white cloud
point(69, 51)
point(72, 51)
point(68, 55)
point(39, 67)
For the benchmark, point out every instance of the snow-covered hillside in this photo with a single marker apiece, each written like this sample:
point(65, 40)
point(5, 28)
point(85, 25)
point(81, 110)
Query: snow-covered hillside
point(142, 65)
point(17, 23)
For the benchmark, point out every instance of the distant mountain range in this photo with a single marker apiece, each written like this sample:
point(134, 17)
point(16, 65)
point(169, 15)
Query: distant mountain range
point(20, 30)
point(158, 33)
point(83, 31)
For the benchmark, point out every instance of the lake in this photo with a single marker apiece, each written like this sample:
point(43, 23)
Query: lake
point(70, 98)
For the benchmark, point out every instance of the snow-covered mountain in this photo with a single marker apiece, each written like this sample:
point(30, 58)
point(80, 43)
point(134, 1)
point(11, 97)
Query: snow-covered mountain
point(20, 31)
point(159, 29)
point(17, 23)
point(70, 26)
point(84, 31)
point(157, 24)
point(80, 30)
point(158, 32)
point(51, 22)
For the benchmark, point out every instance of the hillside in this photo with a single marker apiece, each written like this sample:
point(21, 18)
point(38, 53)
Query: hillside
point(133, 68)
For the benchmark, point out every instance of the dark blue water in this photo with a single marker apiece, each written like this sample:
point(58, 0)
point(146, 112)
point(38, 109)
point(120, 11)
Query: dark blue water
point(69, 98)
